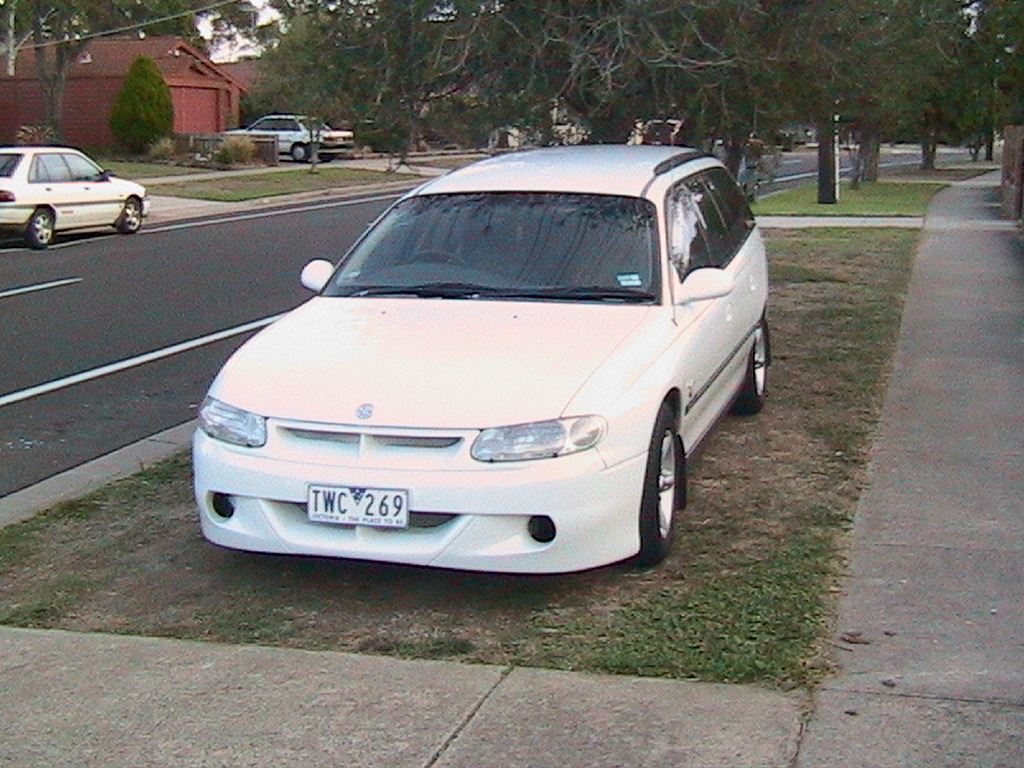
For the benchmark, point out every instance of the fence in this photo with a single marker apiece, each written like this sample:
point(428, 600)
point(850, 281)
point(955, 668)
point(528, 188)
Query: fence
point(206, 145)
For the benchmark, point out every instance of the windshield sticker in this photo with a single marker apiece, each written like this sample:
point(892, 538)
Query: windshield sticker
point(630, 280)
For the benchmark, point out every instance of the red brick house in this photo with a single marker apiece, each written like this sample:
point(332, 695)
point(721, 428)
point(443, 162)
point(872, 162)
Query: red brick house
point(206, 98)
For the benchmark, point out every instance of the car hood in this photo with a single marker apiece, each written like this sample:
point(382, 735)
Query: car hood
point(430, 363)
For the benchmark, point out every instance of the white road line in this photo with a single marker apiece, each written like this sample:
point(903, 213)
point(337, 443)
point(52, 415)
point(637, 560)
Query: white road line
point(228, 218)
point(39, 287)
point(95, 373)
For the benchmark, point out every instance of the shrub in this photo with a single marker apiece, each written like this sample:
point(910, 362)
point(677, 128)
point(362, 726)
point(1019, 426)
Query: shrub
point(34, 135)
point(236, 150)
point(143, 111)
point(162, 149)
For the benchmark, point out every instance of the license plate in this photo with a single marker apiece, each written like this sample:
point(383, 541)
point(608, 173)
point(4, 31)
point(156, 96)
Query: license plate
point(377, 507)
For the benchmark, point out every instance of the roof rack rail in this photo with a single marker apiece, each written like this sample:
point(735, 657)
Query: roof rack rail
point(674, 162)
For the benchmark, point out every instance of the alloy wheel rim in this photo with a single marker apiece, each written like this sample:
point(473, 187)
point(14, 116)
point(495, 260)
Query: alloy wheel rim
point(132, 214)
point(666, 483)
point(42, 228)
point(760, 361)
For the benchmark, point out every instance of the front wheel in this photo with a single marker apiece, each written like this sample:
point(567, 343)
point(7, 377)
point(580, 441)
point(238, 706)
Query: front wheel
point(40, 229)
point(754, 389)
point(664, 491)
point(130, 220)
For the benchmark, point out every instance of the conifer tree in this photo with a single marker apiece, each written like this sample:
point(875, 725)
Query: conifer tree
point(143, 111)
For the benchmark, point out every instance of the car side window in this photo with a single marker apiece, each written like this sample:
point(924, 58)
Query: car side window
point(687, 231)
point(735, 221)
point(82, 169)
point(49, 168)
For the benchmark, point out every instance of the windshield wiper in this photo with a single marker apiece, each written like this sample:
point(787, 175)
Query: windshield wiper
point(584, 293)
point(427, 290)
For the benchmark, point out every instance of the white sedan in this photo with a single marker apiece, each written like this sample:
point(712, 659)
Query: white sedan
point(45, 190)
point(506, 373)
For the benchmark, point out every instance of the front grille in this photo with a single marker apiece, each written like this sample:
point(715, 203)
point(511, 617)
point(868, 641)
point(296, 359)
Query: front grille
point(379, 440)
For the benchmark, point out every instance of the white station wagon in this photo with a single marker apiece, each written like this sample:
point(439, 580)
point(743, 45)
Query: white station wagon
point(506, 373)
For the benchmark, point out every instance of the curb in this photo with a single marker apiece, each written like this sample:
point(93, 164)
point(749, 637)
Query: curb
point(78, 481)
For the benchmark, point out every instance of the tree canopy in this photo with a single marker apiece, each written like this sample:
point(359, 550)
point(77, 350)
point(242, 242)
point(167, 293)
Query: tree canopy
point(452, 70)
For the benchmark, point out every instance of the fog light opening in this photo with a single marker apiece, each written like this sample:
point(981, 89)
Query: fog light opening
point(541, 529)
point(223, 505)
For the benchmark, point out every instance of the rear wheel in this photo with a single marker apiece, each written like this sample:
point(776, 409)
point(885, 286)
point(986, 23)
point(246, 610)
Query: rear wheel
point(40, 229)
point(664, 491)
point(300, 153)
point(751, 397)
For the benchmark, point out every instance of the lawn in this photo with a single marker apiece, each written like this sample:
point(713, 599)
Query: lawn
point(882, 198)
point(747, 595)
point(259, 185)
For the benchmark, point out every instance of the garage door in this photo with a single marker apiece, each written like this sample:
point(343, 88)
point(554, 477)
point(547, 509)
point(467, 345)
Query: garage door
point(195, 110)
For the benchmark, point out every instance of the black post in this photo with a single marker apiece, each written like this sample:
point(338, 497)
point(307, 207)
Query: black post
point(828, 170)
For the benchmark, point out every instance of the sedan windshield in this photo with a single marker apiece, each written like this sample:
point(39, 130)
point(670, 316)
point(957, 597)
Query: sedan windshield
point(533, 246)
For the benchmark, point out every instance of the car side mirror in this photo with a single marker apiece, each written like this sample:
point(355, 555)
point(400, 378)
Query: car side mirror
point(706, 283)
point(316, 274)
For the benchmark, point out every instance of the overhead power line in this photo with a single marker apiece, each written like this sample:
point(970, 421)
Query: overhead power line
point(138, 25)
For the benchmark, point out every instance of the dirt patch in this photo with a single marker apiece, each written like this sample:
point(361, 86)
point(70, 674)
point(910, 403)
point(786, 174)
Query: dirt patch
point(745, 595)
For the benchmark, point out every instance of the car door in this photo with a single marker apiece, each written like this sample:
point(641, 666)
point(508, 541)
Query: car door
point(51, 184)
point(736, 248)
point(705, 332)
point(742, 250)
point(99, 203)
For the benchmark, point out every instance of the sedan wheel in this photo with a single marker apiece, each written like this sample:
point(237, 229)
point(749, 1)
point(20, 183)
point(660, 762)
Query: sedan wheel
point(664, 491)
point(130, 220)
point(40, 229)
point(300, 153)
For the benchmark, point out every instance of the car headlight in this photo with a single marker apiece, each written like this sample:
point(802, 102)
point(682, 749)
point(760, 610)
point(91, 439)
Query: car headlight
point(539, 440)
point(232, 425)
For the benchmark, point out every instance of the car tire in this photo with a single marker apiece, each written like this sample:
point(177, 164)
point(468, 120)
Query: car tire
point(754, 390)
point(40, 229)
point(300, 153)
point(130, 220)
point(664, 490)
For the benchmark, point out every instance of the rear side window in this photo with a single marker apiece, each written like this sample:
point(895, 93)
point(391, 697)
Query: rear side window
point(49, 168)
point(8, 164)
point(734, 221)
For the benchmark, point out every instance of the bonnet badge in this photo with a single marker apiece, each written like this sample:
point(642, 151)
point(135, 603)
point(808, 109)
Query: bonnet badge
point(364, 411)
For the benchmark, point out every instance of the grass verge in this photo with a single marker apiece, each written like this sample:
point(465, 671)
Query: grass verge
point(745, 596)
point(258, 185)
point(882, 198)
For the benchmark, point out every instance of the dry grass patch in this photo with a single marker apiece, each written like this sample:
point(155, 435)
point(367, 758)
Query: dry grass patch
point(744, 597)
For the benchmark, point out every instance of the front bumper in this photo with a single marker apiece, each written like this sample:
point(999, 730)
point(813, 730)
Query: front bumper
point(468, 515)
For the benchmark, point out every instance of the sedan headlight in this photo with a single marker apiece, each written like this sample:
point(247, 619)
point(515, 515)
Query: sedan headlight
point(232, 425)
point(539, 440)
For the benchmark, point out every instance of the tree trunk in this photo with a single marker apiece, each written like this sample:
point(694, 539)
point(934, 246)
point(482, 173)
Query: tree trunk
point(52, 63)
point(870, 152)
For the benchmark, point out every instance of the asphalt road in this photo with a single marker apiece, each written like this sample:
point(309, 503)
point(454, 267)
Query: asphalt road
point(98, 300)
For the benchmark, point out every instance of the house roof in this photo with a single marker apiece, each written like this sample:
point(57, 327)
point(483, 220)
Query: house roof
point(177, 61)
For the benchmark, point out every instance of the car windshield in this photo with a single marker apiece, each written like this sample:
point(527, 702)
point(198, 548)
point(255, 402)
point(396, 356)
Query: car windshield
point(8, 162)
point(532, 246)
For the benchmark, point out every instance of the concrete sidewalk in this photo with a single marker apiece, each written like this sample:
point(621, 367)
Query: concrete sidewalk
point(931, 641)
point(935, 676)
